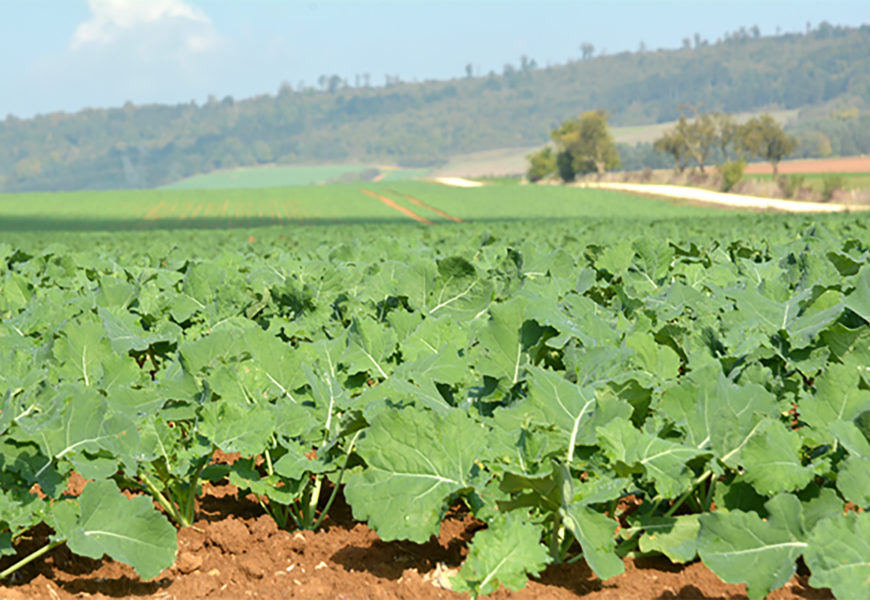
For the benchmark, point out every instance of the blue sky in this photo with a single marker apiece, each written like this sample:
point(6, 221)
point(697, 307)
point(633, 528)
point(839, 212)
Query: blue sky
point(71, 54)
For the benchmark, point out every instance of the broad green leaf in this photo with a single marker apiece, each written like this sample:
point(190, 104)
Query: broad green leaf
point(83, 424)
point(839, 555)
point(573, 410)
point(459, 290)
point(369, 347)
point(234, 426)
point(716, 413)
point(125, 333)
point(859, 300)
point(853, 480)
point(772, 461)
point(595, 533)
point(837, 398)
point(81, 351)
point(502, 555)
point(501, 352)
point(131, 530)
point(741, 547)
point(660, 362)
point(415, 462)
point(664, 461)
point(675, 537)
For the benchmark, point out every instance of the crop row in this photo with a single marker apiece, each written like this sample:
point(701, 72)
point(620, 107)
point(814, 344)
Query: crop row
point(723, 388)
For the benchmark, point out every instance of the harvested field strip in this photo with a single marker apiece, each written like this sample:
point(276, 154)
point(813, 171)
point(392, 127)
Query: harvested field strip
point(421, 204)
point(392, 204)
point(847, 164)
point(155, 211)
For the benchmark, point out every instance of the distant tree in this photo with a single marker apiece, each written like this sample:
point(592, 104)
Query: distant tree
point(469, 70)
point(726, 133)
point(687, 43)
point(755, 31)
point(765, 138)
point(588, 141)
point(565, 166)
point(321, 81)
point(699, 136)
point(333, 83)
point(587, 50)
point(527, 64)
point(672, 143)
point(541, 164)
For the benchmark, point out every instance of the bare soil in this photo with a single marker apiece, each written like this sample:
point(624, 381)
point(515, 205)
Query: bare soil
point(235, 551)
point(848, 164)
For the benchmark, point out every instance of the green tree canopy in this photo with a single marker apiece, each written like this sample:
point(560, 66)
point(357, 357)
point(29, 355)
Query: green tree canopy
point(765, 138)
point(541, 164)
point(588, 142)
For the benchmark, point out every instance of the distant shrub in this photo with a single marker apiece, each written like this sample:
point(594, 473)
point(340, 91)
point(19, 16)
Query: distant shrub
point(789, 185)
point(831, 184)
point(541, 164)
point(731, 173)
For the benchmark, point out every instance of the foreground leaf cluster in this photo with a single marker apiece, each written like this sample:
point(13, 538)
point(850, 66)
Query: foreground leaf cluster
point(584, 393)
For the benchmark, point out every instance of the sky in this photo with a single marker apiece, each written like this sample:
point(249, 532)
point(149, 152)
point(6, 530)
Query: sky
point(66, 55)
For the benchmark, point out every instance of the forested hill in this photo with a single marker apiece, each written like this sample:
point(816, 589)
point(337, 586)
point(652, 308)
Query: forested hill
point(420, 123)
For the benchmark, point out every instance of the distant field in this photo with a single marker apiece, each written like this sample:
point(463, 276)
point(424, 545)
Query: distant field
point(649, 133)
point(301, 205)
point(281, 176)
point(821, 166)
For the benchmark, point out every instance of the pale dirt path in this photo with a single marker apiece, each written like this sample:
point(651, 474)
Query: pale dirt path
point(458, 182)
point(721, 199)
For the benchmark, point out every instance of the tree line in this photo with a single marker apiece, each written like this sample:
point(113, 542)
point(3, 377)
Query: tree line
point(417, 124)
point(585, 145)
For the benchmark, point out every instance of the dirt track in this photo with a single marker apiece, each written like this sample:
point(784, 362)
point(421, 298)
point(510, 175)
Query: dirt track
point(708, 198)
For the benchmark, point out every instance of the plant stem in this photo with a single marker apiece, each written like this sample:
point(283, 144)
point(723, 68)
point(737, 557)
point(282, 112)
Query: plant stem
point(269, 470)
point(337, 483)
point(161, 499)
point(190, 497)
point(685, 496)
point(30, 558)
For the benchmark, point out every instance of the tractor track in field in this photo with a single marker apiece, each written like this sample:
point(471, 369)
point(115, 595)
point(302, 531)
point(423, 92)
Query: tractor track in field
point(422, 204)
point(392, 204)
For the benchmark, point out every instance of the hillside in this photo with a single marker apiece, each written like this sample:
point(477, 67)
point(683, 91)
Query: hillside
point(417, 124)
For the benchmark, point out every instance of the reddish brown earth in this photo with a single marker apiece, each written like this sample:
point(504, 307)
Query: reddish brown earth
point(235, 551)
point(849, 164)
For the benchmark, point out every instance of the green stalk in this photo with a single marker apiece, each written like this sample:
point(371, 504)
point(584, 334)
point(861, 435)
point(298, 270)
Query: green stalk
point(161, 499)
point(709, 499)
point(269, 470)
point(556, 538)
point(190, 496)
point(337, 483)
point(685, 496)
point(30, 558)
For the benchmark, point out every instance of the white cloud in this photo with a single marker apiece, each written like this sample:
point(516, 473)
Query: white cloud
point(115, 20)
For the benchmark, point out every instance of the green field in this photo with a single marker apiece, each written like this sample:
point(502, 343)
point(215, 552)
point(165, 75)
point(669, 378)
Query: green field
point(345, 203)
point(554, 361)
point(280, 176)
